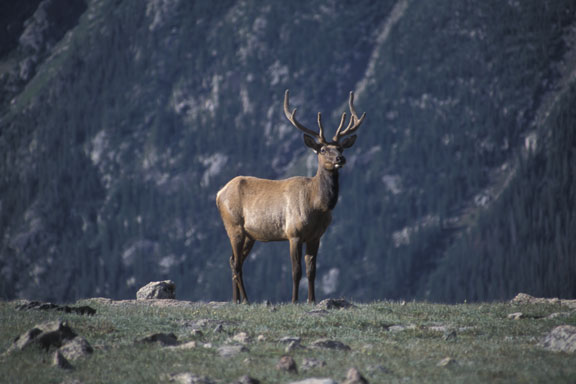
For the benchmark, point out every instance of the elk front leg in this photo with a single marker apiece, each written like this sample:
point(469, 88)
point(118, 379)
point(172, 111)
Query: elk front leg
point(296, 259)
point(310, 258)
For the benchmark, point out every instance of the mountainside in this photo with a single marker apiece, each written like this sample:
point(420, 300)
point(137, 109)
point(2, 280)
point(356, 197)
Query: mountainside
point(120, 120)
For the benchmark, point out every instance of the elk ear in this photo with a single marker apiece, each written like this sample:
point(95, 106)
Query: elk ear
point(311, 143)
point(349, 141)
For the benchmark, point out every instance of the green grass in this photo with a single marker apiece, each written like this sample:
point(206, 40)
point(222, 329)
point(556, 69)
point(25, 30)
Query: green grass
point(489, 347)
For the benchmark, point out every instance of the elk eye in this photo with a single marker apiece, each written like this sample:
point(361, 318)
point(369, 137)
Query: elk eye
point(323, 150)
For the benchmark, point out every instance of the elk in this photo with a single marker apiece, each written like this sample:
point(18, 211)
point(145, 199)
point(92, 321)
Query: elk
point(297, 210)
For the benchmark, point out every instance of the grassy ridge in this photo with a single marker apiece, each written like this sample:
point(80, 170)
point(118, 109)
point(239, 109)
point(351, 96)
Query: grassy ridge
point(488, 347)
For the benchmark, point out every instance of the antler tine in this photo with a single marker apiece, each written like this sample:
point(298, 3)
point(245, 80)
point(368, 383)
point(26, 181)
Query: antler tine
point(342, 120)
point(355, 122)
point(321, 128)
point(291, 116)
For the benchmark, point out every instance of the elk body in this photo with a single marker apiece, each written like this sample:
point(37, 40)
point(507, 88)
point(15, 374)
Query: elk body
point(297, 210)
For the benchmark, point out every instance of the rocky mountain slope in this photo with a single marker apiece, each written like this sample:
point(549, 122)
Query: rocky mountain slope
point(120, 120)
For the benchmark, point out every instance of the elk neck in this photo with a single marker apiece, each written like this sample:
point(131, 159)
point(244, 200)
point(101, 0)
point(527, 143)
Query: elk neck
point(326, 188)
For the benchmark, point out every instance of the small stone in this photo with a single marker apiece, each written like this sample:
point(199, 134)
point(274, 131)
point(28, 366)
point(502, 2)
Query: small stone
point(515, 316)
point(190, 378)
point(355, 377)
point(160, 338)
point(293, 346)
point(261, 338)
point(231, 350)
point(287, 364)
point(334, 304)
point(188, 345)
point(560, 339)
point(157, 290)
point(310, 363)
point(242, 338)
point(330, 344)
point(446, 362)
point(76, 348)
point(401, 328)
point(196, 333)
point(556, 315)
point(289, 339)
point(58, 360)
point(314, 380)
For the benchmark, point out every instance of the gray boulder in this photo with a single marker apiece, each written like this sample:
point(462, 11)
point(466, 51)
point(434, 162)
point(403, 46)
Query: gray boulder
point(76, 348)
point(560, 339)
point(157, 290)
point(45, 335)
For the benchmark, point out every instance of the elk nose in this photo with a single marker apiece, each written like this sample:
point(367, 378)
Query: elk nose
point(340, 160)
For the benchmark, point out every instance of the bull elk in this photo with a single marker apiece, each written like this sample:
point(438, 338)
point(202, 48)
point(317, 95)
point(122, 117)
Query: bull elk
point(297, 209)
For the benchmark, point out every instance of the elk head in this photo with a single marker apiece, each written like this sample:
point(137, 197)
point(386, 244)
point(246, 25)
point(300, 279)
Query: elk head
point(329, 153)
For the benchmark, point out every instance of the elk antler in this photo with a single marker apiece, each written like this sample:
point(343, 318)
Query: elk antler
point(355, 122)
point(292, 117)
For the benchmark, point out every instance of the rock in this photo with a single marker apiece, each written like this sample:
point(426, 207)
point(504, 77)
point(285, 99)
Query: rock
point(261, 338)
point(76, 348)
point(515, 316)
point(246, 380)
point(354, 377)
point(446, 362)
point(310, 363)
point(160, 338)
point(556, 315)
point(523, 298)
point(334, 304)
point(287, 364)
point(231, 350)
point(242, 338)
point(330, 344)
point(37, 305)
point(560, 339)
point(45, 335)
point(157, 290)
point(401, 328)
point(196, 333)
point(188, 345)
point(293, 343)
point(289, 339)
point(293, 346)
point(58, 360)
point(190, 378)
point(314, 380)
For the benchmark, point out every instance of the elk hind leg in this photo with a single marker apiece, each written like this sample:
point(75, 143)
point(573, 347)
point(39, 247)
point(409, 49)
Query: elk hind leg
point(241, 246)
point(310, 258)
